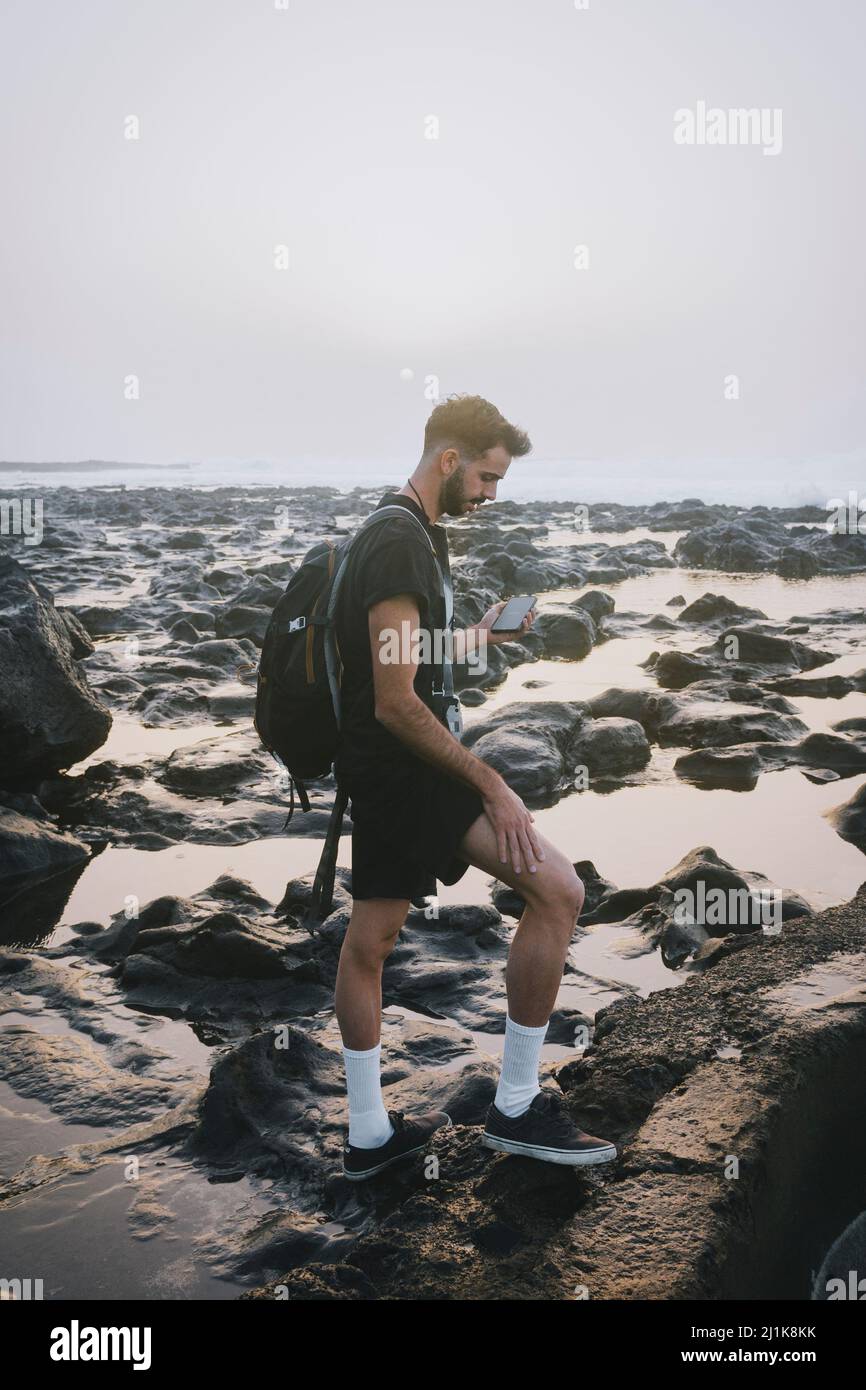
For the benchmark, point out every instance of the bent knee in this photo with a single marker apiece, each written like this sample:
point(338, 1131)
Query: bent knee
point(373, 930)
point(562, 890)
point(370, 947)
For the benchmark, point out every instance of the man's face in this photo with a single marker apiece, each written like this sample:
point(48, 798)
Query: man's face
point(473, 482)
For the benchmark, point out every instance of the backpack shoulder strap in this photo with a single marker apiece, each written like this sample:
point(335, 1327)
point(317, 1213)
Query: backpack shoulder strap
point(382, 514)
point(393, 509)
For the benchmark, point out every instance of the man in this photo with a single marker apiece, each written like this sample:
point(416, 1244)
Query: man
point(424, 808)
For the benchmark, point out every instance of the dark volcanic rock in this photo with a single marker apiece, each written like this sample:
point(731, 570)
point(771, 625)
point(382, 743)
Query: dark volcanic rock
point(749, 545)
point(49, 716)
point(530, 761)
point(219, 957)
point(849, 820)
point(212, 767)
point(31, 846)
point(566, 631)
point(676, 670)
point(719, 724)
point(734, 1060)
point(846, 1254)
point(536, 746)
point(757, 543)
point(527, 743)
point(727, 1064)
point(832, 751)
point(240, 622)
point(276, 1103)
point(714, 608)
point(705, 866)
point(720, 767)
point(762, 648)
point(609, 747)
point(794, 563)
point(748, 899)
point(821, 687)
point(646, 706)
point(597, 604)
point(186, 540)
point(508, 901)
point(100, 620)
point(262, 1109)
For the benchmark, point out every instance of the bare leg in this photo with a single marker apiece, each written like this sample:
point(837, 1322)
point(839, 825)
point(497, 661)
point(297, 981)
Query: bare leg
point(554, 897)
point(372, 931)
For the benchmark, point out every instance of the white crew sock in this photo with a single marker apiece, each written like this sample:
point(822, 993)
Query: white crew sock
point(369, 1125)
point(518, 1080)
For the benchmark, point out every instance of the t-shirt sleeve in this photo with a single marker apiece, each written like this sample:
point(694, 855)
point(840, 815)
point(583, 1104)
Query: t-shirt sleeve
point(397, 563)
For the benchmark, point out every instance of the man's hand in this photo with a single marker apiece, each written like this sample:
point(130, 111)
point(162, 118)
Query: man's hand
point(515, 837)
point(489, 619)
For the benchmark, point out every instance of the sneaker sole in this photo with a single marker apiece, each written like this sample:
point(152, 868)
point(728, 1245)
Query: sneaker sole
point(397, 1158)
point(574, 1158)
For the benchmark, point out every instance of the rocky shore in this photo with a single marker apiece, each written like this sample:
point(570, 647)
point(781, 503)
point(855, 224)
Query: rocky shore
point(196, 1030)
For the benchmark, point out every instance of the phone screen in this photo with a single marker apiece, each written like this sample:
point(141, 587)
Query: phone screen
point(514, 612)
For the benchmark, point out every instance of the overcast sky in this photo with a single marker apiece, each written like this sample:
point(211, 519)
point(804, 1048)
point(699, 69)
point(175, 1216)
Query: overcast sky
point(306, 127)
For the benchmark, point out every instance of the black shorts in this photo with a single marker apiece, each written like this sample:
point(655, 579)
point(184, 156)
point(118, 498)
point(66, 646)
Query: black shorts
point(406, 826)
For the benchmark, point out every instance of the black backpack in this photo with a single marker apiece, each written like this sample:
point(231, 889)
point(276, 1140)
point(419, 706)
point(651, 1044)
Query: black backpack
point(297, 709)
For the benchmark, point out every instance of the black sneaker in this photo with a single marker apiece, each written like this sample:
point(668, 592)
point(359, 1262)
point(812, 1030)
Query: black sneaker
point(546, 1131)
point(411, 1134)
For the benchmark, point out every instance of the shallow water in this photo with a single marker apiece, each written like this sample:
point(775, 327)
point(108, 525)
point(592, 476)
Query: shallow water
point(129, 739)
point(570, 535)
point(831, 984)
point(779, 598)
point(633, 834)
point(614, 663)
point(29, 1126)
point(96, 1235)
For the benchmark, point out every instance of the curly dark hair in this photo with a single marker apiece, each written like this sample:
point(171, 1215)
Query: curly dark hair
point(473, 425)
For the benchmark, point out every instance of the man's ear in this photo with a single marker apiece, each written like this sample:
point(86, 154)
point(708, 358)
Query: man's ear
point(450, 460)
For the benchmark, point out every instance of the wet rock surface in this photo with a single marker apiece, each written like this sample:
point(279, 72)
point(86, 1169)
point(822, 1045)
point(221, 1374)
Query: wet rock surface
point(681, 1085)
point(850, 819)
point(185, 582)
point(762, 542)
point(679, 1081)
point(49, 716)
point(31, 848)
point(196, 1030)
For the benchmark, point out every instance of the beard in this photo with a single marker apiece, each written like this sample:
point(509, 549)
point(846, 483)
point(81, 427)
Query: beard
point(453, 497)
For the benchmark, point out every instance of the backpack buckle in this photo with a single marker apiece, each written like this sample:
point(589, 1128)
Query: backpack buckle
point(296, 625)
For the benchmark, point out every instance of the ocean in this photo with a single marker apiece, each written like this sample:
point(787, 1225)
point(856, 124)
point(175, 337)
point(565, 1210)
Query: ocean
point(748, 484)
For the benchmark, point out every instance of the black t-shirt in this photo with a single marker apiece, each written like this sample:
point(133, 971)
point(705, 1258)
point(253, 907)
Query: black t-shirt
point(393, 558)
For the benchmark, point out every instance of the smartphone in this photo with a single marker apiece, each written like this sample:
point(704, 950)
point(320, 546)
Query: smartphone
point(513, 613)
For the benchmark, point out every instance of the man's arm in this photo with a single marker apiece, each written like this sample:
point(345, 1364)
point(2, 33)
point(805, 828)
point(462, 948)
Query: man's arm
point(404, 714)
